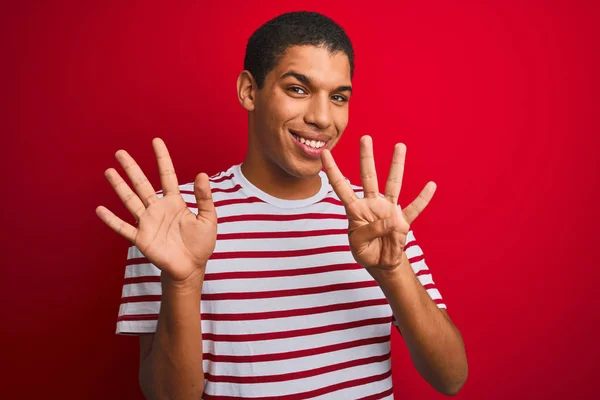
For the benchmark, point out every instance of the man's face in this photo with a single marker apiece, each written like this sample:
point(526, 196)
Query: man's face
point(304, 99)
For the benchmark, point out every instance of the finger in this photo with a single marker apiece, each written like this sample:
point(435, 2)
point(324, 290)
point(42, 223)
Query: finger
point(339, 184)
point(131, 201)
point(369, 232)
point(418, 205)
point(368, 174)
point(116, 224)
point(141, 184)
point(394, 181)
point(168, 178)
point(206, 206)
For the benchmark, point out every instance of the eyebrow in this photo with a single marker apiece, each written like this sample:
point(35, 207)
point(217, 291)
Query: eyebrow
point(305, 79)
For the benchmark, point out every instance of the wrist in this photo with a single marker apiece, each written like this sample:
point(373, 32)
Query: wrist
point(191, 284)
point(397, 272)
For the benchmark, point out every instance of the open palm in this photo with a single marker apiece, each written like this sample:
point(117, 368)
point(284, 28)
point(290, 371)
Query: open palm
point(168, 234)
point(377, 227)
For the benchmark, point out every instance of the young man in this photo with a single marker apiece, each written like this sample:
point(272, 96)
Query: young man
point(295, 296)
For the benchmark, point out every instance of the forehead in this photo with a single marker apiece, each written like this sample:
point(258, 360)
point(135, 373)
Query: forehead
point(317, 63)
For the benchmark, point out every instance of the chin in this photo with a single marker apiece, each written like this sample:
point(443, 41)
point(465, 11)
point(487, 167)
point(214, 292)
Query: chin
point(304, 170)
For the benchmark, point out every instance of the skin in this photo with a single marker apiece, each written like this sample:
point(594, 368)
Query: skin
point(179, 243)
point(314, 99)
point(377, 231)
point(314, 102)
point(307, 92)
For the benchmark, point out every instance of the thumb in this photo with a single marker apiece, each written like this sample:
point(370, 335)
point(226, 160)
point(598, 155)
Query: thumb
point(374, 230)
point(206, 207)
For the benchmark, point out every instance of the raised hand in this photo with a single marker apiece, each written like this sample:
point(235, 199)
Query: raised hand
point(169, 235)
point(377, 227)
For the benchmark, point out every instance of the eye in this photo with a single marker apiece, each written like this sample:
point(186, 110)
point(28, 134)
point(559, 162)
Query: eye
point(339, 98)
point(297, 90)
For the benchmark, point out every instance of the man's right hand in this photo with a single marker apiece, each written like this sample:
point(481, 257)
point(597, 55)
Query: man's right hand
point(168, 234)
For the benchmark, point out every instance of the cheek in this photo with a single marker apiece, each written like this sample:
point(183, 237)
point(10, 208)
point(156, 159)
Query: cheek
point(276, 116)
point(268, 119)
point(340, 120)
point(286, 108)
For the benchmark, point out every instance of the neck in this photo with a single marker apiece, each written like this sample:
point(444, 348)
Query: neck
point(271, 179)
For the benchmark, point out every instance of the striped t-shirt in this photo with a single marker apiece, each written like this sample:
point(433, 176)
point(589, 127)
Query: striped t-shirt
point(286, 311)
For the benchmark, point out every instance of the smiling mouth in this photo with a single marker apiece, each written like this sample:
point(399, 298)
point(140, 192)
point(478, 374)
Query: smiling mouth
point(311, 148)
point(315, 144)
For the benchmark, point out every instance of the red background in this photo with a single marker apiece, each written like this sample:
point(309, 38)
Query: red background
point(497, 103)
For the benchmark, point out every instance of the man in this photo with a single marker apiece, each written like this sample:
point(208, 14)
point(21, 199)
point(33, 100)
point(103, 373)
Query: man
point(295, 295)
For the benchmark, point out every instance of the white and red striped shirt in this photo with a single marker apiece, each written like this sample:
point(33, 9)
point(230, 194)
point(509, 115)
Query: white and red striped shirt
point(286, 311)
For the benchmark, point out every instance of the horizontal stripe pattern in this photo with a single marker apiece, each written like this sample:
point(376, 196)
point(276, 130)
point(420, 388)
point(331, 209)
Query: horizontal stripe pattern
point(356, 326)
point(294, 354)
point(288, 292)
point(290, 376)
point(286, 311)
point(309, 386)
point(334, 392)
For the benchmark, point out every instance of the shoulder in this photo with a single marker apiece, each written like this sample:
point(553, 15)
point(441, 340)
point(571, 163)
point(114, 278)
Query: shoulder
point(221, 182)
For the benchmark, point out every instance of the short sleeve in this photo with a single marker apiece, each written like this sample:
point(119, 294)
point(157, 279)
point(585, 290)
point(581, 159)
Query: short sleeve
point(417, 262)
point(141, 295)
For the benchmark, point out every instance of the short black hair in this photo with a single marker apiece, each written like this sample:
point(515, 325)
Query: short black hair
point(269, 42)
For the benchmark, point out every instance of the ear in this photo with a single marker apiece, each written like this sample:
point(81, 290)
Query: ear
point(246, 89)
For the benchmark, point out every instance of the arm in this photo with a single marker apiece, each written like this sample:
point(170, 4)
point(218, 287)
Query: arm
point(179, 243)
point(171, 359)
point(377, 233)
point(434, 343)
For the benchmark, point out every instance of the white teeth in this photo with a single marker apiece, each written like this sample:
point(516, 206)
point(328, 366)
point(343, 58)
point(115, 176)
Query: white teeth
point(312, 143)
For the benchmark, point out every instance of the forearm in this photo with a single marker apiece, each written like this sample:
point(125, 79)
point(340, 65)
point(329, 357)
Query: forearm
point(434, 343)
point(173, 369)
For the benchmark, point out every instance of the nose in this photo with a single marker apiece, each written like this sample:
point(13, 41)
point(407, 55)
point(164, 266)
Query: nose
point(319, 111)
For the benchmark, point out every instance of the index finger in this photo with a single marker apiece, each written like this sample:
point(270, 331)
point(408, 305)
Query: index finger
point(168, 178)
point(339, 184)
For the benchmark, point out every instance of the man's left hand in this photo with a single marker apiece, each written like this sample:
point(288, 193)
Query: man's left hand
point(377, 226)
